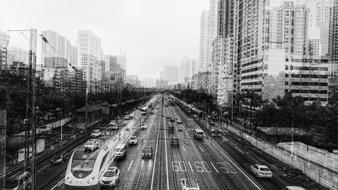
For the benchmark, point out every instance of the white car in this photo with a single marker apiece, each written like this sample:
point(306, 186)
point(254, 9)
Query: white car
point(91, 145)
point(95, 133)
point(144, 126)
point(293, 188)
point(19, 181)
point(262, 171)
point(110, 177)
point(133, 140)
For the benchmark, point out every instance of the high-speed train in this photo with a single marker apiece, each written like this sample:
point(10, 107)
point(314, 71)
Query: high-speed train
point(84, 169)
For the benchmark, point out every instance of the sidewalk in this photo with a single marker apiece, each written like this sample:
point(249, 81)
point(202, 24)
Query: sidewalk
point(323, 171)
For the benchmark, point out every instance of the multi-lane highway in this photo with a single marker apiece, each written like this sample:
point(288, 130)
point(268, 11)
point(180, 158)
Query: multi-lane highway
point(211, 163)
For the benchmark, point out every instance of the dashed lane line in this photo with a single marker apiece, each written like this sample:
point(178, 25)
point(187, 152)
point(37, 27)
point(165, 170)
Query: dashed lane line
point(236, 166)
point(201, 149)
point(166, 156)
point(130, 164)
point(214, 166)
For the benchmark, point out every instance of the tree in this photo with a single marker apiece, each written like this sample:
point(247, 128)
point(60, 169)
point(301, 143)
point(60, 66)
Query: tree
point(3, 97)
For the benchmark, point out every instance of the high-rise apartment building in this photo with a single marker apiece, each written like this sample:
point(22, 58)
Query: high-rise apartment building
point(59, 47)
point(90, 57)
point(170, 73)
point(4, 40)
point(270, 50)
point(203, 52)
point(208, 30)
point(187, 70)
point(114, 74)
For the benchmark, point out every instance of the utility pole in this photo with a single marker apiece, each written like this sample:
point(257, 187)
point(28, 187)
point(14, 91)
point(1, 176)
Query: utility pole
point(32, 60)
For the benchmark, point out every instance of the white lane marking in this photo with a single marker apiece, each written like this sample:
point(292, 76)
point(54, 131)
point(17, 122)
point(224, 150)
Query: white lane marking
point(130, 164)
point(239, 149)
point(152, 176)
point(190, 166)
point(166, 156)
point(236, 166)
point(43, 168)
point(58, 184)
point(183, 148)
point(201, 149)
point(138, 147)
point(214, 166)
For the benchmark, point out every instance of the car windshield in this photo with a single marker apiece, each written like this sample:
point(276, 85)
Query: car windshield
point(96, 131)
point(109, 174)
point(265, 169)
point(11, 183)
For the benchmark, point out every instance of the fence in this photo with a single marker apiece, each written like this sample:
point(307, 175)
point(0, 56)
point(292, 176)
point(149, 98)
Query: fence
point(320, 168)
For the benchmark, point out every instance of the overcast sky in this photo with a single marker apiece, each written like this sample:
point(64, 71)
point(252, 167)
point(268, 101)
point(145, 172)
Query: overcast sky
point(153, 33)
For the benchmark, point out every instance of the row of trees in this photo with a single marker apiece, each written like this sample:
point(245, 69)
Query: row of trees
point(286, 111)
point(14, 93)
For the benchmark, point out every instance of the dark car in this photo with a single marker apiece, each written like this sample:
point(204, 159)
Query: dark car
point(60, 159)
point(147, 152)
point(175, 141)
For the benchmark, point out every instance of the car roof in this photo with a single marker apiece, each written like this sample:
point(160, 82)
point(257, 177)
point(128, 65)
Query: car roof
point(262, 166)
point(294, 188)
point(120, 146)
point(91, 140)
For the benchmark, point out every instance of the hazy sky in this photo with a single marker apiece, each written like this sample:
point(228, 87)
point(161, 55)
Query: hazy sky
point(153, 33)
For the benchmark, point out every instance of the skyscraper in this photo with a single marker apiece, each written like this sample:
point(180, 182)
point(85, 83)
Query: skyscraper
point(170, 73)
point(58, 47)
point(208, 30)
point(90, 56)
point(203, 54)
point(187, 70)
point(4, 40)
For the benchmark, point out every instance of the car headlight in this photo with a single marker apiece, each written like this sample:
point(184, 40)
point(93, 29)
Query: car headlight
point(90, 180)
point(68, 180)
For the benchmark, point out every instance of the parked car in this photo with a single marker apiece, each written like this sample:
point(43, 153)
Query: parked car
point(60, 159)
point(95, 133)
point(20, 181)
point(147, 152)
point(110, 177)
point(262, 171)
point(133, 140)
point(91, 145)
point(179, 122)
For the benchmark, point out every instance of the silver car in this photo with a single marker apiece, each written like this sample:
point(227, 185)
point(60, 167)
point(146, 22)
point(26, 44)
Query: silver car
point(110, 177)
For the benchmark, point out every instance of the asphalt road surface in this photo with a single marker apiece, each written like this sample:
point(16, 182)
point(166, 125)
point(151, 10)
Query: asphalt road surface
point(211, 163)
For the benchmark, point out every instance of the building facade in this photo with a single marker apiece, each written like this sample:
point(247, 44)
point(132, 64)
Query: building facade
point(270, 50)
point(90, 57)
point(4, 40)
point(170, 73)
